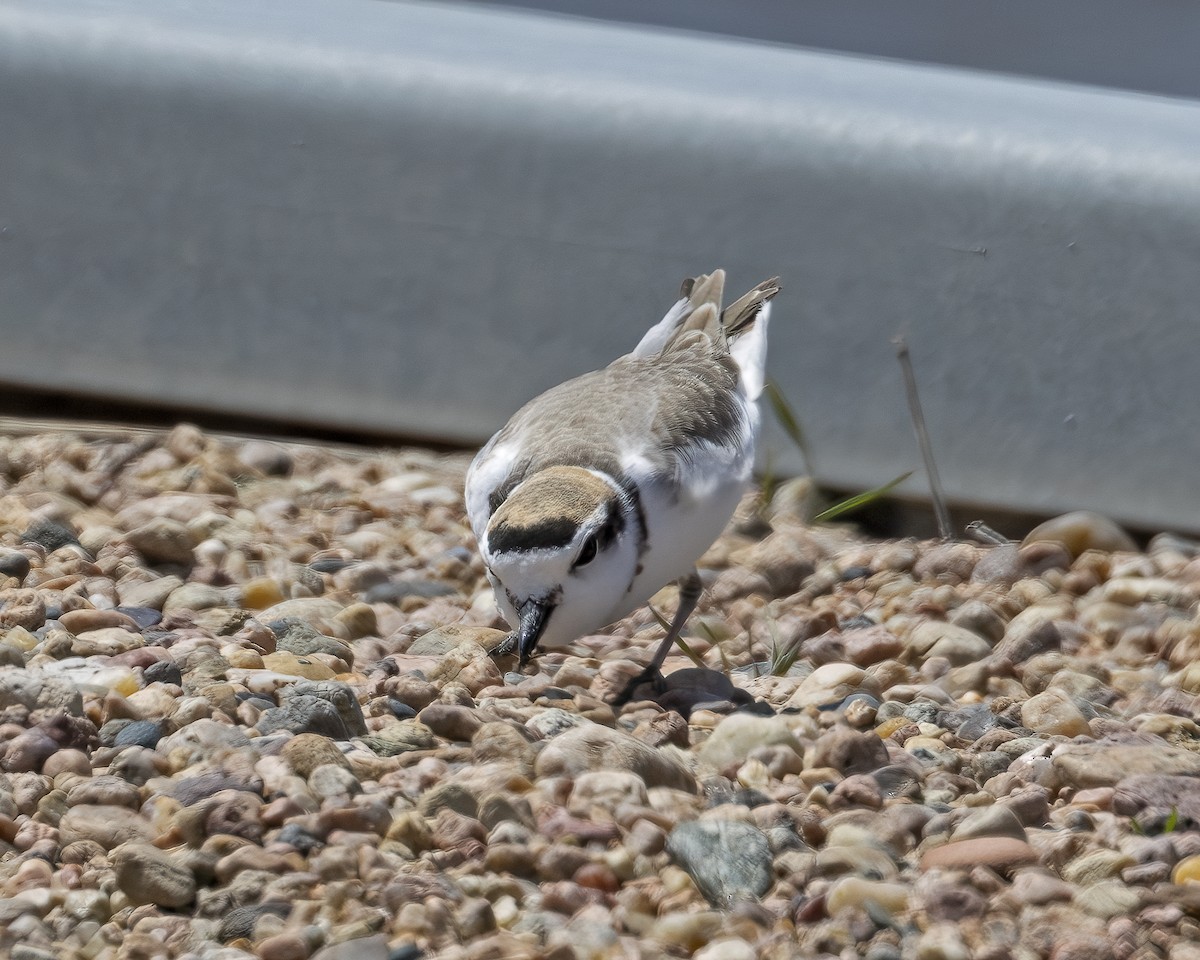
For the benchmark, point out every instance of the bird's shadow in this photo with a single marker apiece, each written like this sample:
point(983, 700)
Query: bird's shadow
point(698, 688)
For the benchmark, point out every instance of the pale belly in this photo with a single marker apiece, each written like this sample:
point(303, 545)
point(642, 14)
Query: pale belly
point(678, 533)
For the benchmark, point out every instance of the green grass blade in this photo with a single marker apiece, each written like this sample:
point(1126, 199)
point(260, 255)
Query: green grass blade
point(783, 656)
point(690, 653)
point(789, 421)
point(859, 501)
point(679, 641)
point(767, 485)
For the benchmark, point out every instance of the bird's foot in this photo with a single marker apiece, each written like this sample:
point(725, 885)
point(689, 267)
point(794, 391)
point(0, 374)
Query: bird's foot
point(651, 675)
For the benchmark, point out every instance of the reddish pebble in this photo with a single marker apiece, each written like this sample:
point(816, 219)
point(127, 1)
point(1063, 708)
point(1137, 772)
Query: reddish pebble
point(1002, 854)
point(283, 946)
point(597, 876)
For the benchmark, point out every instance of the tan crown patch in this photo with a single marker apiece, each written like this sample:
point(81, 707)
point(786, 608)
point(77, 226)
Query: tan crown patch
point(547, 510)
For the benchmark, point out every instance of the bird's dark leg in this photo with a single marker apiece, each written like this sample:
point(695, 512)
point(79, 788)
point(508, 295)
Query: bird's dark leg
point(689, 595)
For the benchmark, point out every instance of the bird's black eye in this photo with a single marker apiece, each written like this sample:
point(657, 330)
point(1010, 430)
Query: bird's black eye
point(588, 553)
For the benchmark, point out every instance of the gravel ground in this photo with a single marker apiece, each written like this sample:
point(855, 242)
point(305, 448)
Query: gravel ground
point(247, 709)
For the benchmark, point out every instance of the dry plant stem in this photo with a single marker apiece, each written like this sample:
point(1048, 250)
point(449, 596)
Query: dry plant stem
point(978, 530)
point(940, 510)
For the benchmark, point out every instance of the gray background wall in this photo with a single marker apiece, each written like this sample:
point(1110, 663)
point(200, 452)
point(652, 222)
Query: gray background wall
point(408, 218)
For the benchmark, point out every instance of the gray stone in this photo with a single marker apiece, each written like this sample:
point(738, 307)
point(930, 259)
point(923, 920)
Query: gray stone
point(191, 596)
point(163, 540)
point(937, 638)
point(203, 738)
point(11, 656)
point(993, 821)
point(402, 737)
point(146, 874)
point(22, 608)
point(13, 564)
point(364, 948)
point(106, 824)
point(305, 714)
point(728, 860)
point(139, 733)
point(498, 808)
point(554, 721)
point(36, 690)
point(341, 696)
point(1154, 798)
point(108, 732)
point(302, 639)
point(740, 733)
point(849, 751)
point(437, 642)
point(970, 722)
point(1105, 763)
point(593, 747)
point(239, 922)
point(1027, 638)
point(978, 617)
point(104, 789)
point(1000, 564)
point(452, 721)
point(449, 796)
point(897, 781)
point(153, 594)
point(163, 671)
point(333, 780)
point(50, 535)
point(27, 751)
point(988, 764)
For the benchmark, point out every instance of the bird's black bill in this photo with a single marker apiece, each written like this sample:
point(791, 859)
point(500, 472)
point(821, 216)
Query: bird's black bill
point(534, 616)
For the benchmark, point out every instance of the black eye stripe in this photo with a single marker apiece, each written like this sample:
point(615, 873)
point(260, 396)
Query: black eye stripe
point(601, 539)
point(608, 532)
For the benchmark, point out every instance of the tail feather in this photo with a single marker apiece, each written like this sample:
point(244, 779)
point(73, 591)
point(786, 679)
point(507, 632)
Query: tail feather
point(740, 314)
point(704, 295)
point(699, 311)
point(749, 351)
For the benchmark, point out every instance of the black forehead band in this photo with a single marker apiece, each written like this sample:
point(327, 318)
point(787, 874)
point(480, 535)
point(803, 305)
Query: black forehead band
point(547, 534)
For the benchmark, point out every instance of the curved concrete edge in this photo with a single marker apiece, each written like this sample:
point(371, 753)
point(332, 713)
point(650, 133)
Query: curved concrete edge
point(409, 219)
point(1148, 47)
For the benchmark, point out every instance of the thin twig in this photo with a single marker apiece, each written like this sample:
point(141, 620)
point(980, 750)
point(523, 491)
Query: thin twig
point(978, 530)
point(940, 511)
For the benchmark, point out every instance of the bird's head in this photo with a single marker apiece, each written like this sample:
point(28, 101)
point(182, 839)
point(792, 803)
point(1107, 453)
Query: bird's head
point(561, 556)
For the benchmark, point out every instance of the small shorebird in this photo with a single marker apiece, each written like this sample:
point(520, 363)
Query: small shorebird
point(607, 487)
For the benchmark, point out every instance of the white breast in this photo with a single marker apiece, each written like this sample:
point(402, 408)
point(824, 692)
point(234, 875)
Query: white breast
point(683, 519)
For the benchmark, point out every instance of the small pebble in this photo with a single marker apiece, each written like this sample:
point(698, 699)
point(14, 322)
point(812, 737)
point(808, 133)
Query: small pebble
point(1187, 870)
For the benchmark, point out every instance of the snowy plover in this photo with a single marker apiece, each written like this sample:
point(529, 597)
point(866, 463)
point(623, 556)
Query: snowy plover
point(609, 486)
